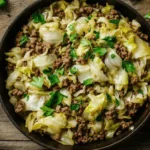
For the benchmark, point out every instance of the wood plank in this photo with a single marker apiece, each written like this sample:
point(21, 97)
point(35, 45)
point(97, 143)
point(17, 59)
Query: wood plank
point(19, 145)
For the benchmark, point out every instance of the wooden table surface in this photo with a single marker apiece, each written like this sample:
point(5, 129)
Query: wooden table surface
point(12, 139)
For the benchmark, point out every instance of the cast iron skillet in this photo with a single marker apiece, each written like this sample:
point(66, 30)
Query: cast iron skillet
point(7, 43)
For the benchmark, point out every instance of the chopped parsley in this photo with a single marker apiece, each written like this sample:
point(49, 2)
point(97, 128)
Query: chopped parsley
point(73, 37)
point(85, 42)
point(114, 21)
point(89, 17)
point(47, 111)
point(47, 71)
point(71, 27)
point(38, 18)
point(73, 70)
point(113, 56)
point(99, 50)
point(73, 53)
point(53, 79)
point(147, 16)
point(97, 35)
point(140, 91)
point(88, 82)
point(99, 117)
point(117, 102)
point(110, 41)
point(65, 39)
point(26, 96)
point(60, 71)
point(24, 39)
point(2, 3)
point(88, 55)
point(108, 97)
point(55, 99)
point(75, 107)
point(37, 82)
point(128, 66)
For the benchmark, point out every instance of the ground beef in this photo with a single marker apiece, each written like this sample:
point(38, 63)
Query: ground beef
point(25, 29)
point(132, 108)
point(121, 93)
point(142, 35)
point(10, 67)
point(20, 107)
point(59, 13)
point(17, 92)
point(110, 114)
point(66, 110)
point(36, 72)
point(122, 51)
point(126, 125)
point(65, 60)
point(75, 87)
point(82, 133)
point(134, 80)
point(114, 14)
point(81, 61)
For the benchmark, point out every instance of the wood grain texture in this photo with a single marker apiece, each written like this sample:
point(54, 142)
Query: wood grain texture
point(11, 138)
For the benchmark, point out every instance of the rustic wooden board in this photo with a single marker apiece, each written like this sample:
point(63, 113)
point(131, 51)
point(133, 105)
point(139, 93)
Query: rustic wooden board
point(11, 138)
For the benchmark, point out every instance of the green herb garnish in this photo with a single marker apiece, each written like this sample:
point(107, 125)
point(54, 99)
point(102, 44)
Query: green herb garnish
point(53, 79)
point(108, 97)
point(47, 71)
point(99, 50)
point(113, 56)
point(37, 82)
point(110, 41)
point(71, 27)
point(88, 82)
point(128, 66)
point(65, 39)
point(73, 37)
point(99, 117)
point(38, 18)
point(24, 39)
point(85, 42)
point(147, 16)
point(75, 107)
point(47, 111)
point(140, 91)
point(89, 17)
point(88, 55)
point(26, 96)
point(55, 99)
point(114, 21)
point(2, 3)
point(60, 71)
point(97, 35)
point(73, 53)
point(117, 102)
point(73, 70)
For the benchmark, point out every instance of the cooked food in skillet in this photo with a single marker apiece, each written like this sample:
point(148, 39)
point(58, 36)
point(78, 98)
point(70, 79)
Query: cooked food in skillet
point(79, 72)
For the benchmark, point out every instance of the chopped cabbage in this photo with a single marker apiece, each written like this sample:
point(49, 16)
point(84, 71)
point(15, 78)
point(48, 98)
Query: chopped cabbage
point(95, 107)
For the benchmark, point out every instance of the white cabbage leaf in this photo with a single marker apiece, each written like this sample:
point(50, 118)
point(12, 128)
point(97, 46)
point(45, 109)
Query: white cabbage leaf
point(35, 102)
point(53, 124)
point(68, 98)
point(44, 60)
point(95, 106)
point(67, 138)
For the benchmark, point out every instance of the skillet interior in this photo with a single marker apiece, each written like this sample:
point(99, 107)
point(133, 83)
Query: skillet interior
point(7, 43)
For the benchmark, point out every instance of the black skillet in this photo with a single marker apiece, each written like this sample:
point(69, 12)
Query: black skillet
point(7, 43)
